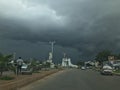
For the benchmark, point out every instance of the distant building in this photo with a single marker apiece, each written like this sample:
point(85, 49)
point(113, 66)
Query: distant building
point(96, 64)
point(111, 58)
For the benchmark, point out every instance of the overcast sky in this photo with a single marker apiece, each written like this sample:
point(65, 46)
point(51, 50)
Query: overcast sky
point(81, 28)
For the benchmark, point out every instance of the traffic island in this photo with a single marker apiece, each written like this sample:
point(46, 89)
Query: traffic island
point(22, 80)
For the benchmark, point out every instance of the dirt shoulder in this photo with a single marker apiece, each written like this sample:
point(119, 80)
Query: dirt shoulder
point(22, 80)
point(42, 82)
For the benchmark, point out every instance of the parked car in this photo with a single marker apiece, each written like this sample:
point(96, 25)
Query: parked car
point(25, 69)
point(107, 70)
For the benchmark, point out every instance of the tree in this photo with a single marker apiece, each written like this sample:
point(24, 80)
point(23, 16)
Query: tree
point(103, 56)
point(80, 63)
point(4, 61)
point(47, 65)
point(35, 65)
point(1, 63)
point(118, 56)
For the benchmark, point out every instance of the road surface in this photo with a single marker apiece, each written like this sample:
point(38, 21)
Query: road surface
point(76, 79)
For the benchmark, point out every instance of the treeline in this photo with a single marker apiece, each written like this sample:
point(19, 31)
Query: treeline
point(103, 56)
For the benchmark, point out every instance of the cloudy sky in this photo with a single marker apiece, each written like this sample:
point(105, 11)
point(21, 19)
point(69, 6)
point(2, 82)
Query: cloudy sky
point(81, 28)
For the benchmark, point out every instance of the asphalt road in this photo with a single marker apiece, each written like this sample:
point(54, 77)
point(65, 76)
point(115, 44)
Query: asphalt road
point(76, 79)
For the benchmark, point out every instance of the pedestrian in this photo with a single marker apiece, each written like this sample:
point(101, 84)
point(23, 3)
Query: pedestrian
point(19, 65)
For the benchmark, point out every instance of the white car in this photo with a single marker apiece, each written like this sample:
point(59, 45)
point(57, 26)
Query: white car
point(107, 70)
point(25, 69)
point(82, 68)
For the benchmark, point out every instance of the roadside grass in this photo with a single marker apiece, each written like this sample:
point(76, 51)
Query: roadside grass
point(117, 71)
point(6, 78)
point(36, 72)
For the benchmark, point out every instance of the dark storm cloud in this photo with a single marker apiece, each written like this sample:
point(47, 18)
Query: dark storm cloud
point(86, 25)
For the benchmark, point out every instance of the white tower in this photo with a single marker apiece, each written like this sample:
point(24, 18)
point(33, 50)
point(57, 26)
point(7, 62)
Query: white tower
point(52, 50)
point(66, 62)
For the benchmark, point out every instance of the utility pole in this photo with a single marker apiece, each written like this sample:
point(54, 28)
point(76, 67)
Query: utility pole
point(14, 56)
